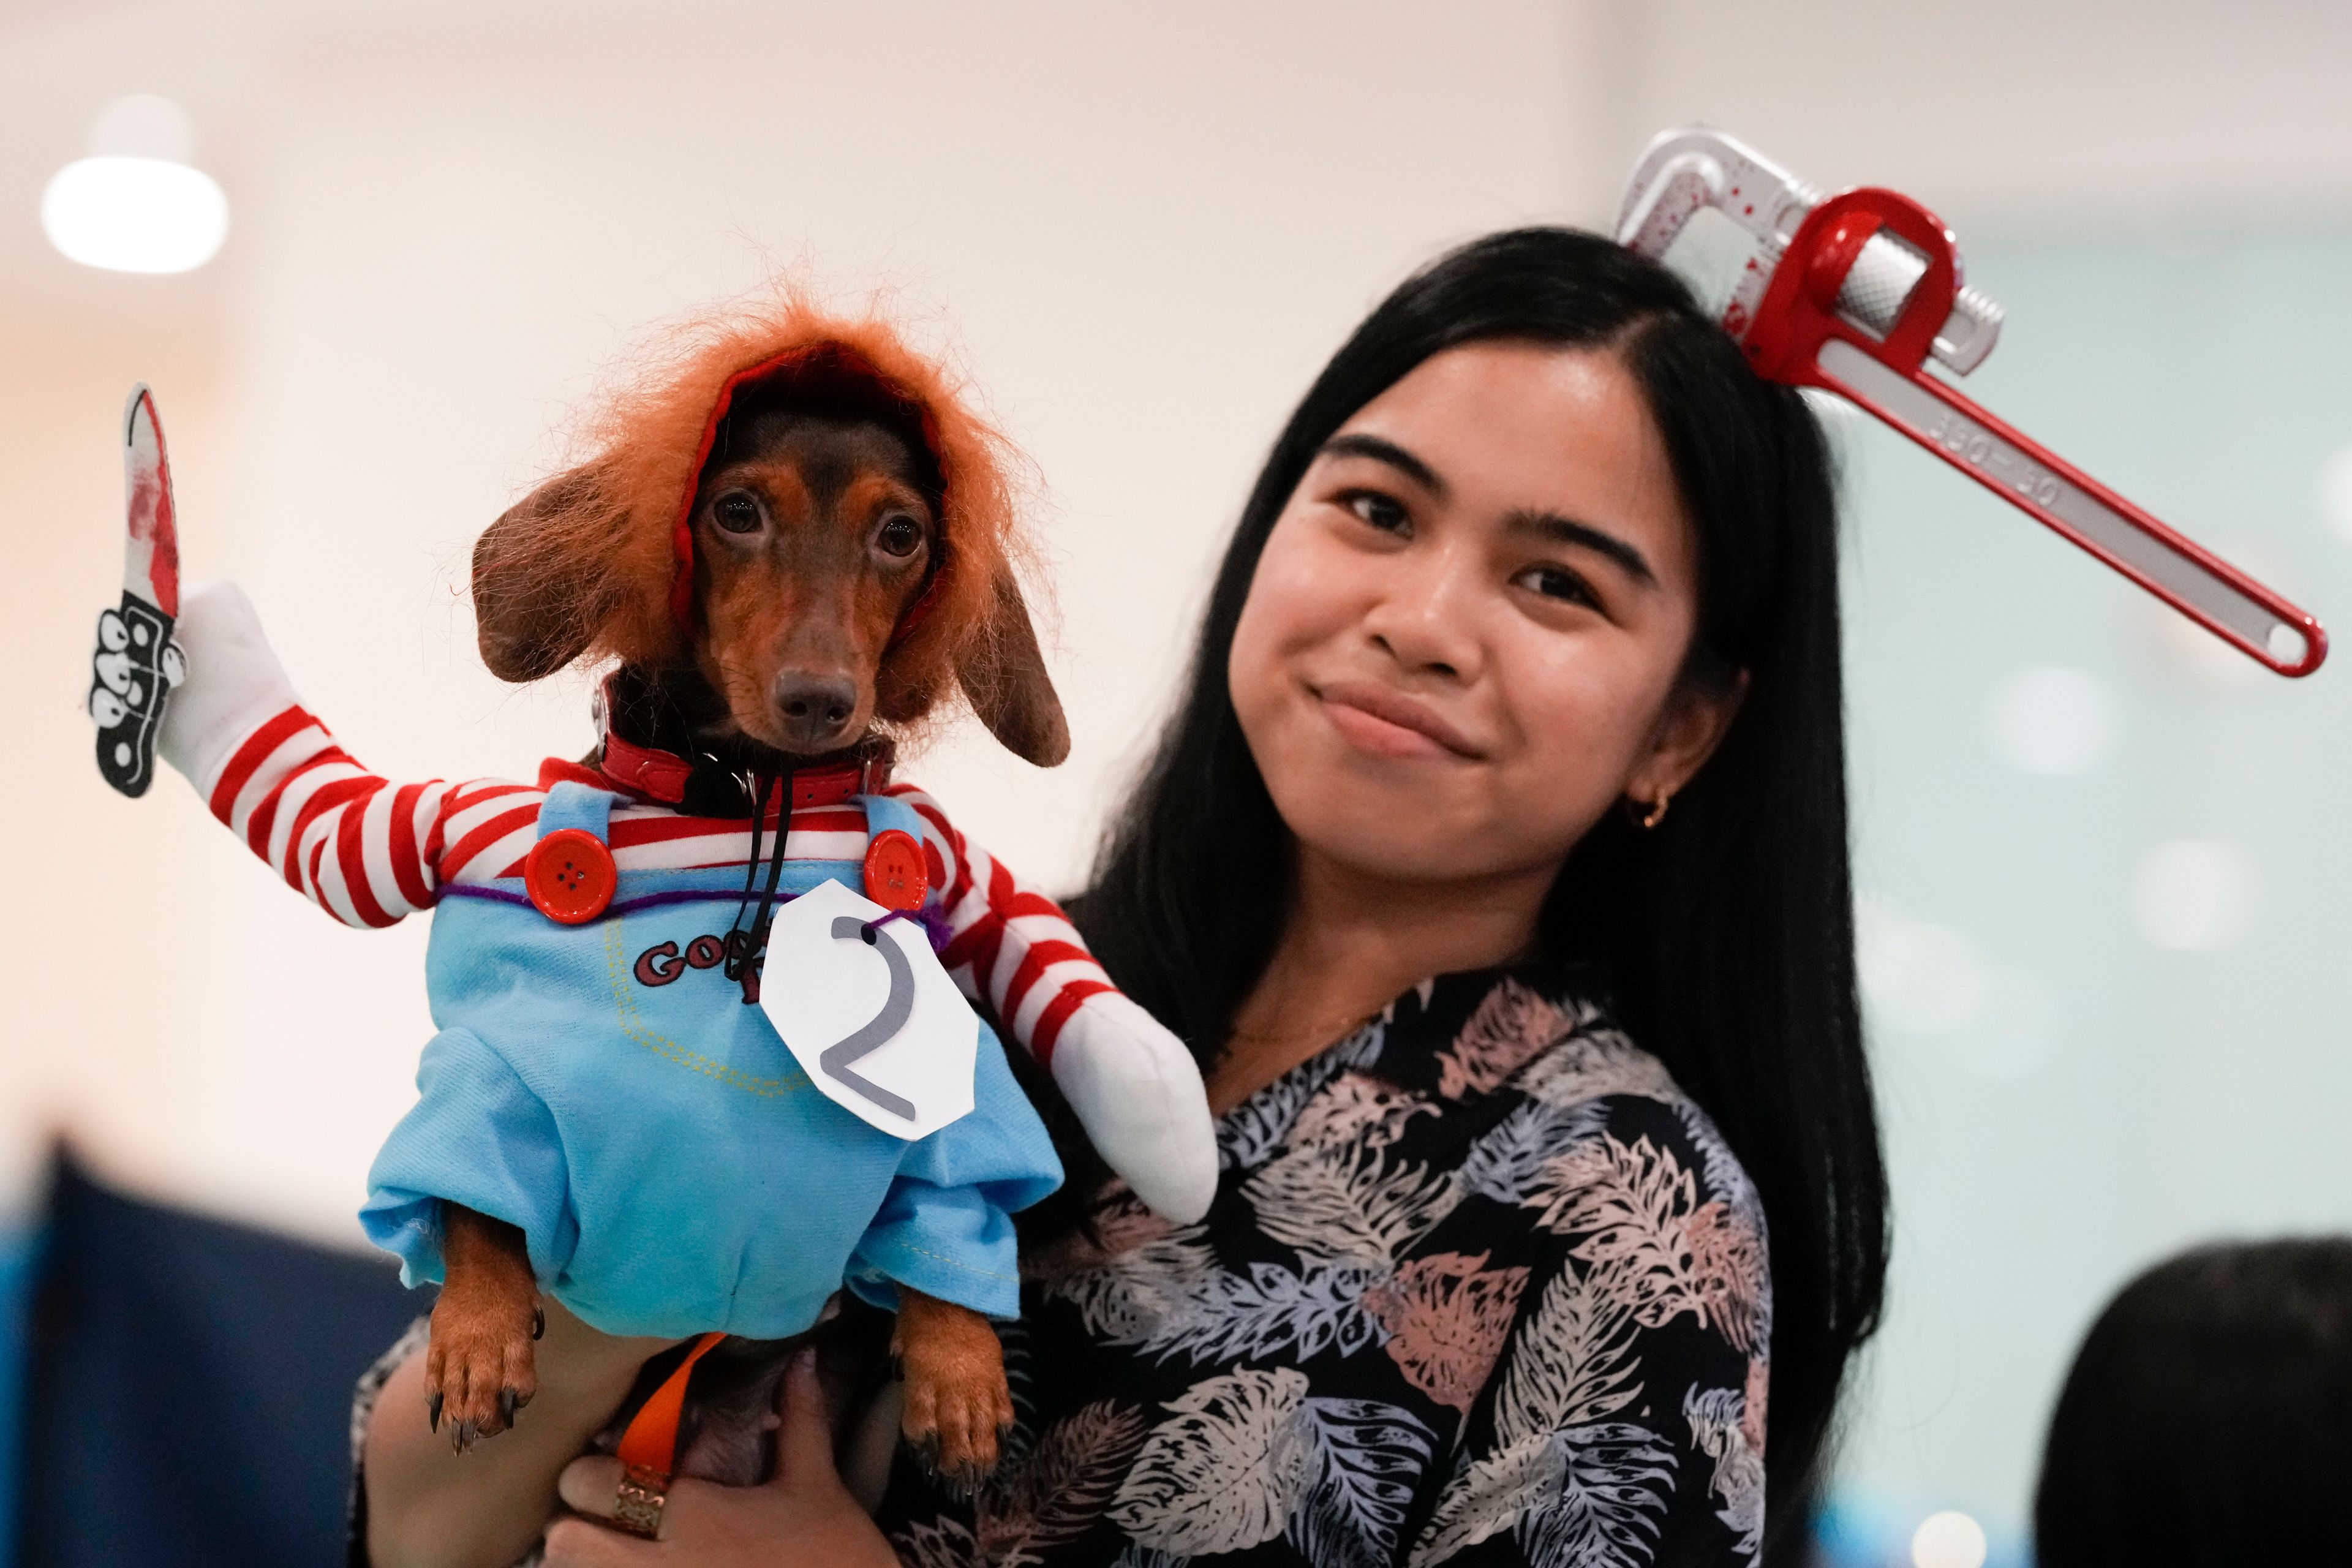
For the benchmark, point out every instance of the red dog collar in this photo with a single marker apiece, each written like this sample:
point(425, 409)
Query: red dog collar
point(642, 770)
point(660, 775)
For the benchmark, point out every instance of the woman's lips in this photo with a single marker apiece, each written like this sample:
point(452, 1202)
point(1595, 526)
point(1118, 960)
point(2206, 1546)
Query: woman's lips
point(1387, 723)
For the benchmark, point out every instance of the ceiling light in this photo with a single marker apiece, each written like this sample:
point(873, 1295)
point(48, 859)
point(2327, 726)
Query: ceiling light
point(136, 204)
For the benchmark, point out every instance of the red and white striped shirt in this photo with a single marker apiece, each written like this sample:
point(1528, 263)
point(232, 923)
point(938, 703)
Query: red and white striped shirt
point(370, 851)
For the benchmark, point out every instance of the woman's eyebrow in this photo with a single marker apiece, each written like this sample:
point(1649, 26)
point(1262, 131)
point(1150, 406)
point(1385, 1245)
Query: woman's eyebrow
point(1560, 530)
point(1381, 450)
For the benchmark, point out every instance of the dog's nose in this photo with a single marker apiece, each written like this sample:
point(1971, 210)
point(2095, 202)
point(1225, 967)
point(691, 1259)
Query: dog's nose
point(815, 708)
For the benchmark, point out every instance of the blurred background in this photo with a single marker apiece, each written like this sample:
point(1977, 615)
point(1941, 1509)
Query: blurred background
point(2101, 859)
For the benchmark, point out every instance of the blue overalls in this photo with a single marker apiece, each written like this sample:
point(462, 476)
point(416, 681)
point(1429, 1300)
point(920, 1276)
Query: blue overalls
point(671, 1165)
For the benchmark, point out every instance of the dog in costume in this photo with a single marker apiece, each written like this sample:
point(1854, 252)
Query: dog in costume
point(701, 1058)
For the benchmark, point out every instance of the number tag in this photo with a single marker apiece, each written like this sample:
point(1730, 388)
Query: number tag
point(879, 1028)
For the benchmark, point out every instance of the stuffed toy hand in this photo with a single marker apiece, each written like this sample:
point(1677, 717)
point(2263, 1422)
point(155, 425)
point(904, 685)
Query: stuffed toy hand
point(1138, 1093)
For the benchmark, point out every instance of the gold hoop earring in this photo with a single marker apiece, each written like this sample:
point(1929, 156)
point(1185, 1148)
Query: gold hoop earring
point(1657, 812)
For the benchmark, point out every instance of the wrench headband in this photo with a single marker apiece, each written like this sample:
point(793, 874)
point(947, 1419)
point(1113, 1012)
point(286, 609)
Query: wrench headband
point(1853, 294)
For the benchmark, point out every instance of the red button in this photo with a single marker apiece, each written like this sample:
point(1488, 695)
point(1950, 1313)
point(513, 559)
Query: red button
point(895, 875)
point(570, 876)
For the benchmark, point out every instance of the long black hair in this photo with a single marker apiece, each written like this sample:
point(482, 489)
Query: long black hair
point(2208, 1415)
point(1727, 933)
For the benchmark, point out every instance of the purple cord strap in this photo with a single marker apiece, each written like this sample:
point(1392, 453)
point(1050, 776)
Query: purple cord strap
point(934, 924)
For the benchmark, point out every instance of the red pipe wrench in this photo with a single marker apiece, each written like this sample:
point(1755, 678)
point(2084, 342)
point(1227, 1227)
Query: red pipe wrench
point(1853, 293)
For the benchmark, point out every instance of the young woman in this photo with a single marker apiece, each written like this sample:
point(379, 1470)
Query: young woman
point(1514, 739)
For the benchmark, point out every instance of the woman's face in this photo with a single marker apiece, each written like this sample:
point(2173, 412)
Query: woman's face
point(1462, 641)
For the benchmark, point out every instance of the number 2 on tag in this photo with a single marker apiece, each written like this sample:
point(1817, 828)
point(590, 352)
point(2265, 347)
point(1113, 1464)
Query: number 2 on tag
point(895, 1044)
point(875, 1031)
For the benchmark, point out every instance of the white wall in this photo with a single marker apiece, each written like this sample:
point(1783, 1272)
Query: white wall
point(2048, 112)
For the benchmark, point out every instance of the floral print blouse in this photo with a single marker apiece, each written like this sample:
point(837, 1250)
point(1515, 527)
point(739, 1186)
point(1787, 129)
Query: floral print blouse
point(1480, 1285)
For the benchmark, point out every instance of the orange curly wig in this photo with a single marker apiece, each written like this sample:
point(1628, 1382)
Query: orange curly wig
point(598, 562)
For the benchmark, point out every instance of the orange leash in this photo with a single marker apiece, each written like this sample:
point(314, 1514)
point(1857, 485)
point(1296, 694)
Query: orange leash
point(650, 1444)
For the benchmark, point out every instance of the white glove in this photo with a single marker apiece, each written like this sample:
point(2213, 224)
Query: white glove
point(234, 685)
point(1137, 1091)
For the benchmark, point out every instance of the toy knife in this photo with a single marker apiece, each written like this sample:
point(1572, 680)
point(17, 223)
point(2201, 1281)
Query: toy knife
point(1853, 293)
point(136, 663)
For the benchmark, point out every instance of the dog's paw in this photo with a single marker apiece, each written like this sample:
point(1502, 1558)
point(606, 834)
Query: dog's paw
point(959, 1431)
point(479, 1368)
point(959, 1410)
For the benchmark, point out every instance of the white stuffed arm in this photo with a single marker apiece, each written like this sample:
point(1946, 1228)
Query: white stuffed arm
point(234, 685)
point(265, 766)
point(1139, 1094)
point(1133, 1084)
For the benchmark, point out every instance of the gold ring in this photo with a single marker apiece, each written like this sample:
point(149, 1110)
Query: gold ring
point(638, 1508)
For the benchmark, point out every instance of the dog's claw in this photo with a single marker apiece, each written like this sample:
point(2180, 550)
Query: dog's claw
point(481, 1368)
point(432, 1410)
point(539, 1322)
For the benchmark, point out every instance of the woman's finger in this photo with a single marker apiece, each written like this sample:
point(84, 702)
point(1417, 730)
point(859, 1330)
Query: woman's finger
point(582, 1544)
point(804, 1440)
point(591, 1485)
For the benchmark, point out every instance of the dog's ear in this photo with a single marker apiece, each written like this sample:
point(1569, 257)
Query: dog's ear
point(1004, 673)
point(541, 589)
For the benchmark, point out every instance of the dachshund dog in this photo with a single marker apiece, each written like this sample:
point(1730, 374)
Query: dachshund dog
point(790, 549)
point(808, 610)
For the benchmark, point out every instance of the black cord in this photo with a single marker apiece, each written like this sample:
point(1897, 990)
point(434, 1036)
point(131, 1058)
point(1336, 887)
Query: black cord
point(739, 947)
point(746, 949)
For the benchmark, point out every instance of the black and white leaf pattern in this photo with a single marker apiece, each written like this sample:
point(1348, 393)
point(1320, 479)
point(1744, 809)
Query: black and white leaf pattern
point(1253, 1131)
point(1369, 1457)
point(1572, 1364)
point(1137, 1556)
point(1595, 1063)
point(1250, 1455)
point(1357, 1109)
point(1508, 1164)
point(1222, 1473)
point(1588, 1496)
point(1483, 1497)
point(1726, 1179)
point(1267, 1310)
point(1350, 1202)
point(937, 1543)
point(1716, 1417)
point(1062, 1489)
point(1128, 1300)
point(1607, 1489)
point(1260, 1383)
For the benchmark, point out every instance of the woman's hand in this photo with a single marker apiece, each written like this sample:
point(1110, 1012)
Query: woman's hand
point(430, 1507)
point(801, 1515)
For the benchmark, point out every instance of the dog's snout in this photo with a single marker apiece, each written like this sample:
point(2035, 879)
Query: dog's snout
point(815, 709)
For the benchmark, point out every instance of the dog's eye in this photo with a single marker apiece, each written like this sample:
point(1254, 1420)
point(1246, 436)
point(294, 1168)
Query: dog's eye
point(737, 512)
point(901, 535)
